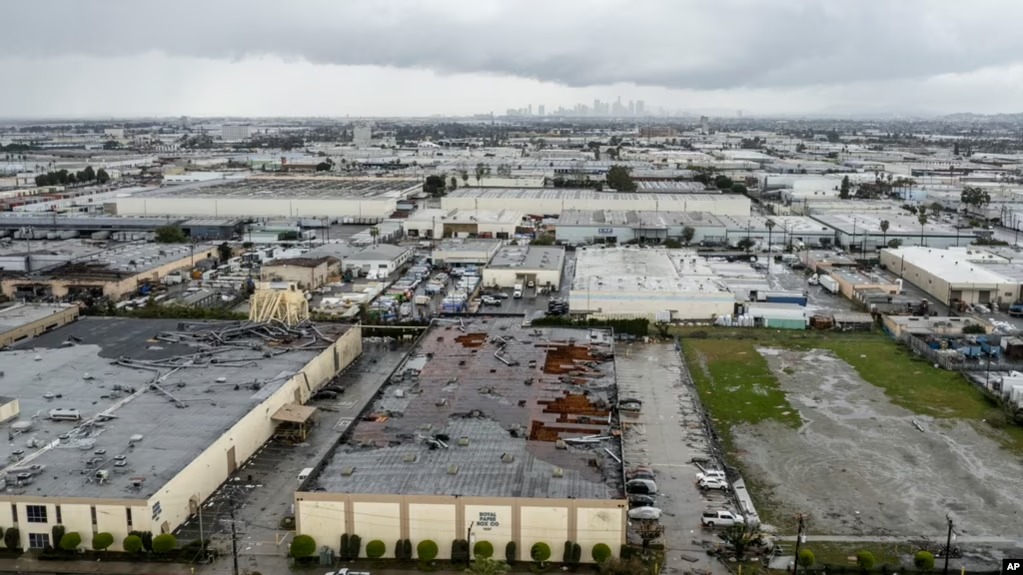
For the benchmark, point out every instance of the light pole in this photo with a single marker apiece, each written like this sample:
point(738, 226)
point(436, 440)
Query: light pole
point(948, 544)
point(468, 541)
point(799, 540)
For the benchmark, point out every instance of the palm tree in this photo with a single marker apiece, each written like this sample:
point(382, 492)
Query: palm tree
point(373, 233)
point(884, 232)
point(770, 228)
point(921, 216)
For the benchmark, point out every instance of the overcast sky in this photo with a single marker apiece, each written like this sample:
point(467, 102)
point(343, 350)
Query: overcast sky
point(422, 57)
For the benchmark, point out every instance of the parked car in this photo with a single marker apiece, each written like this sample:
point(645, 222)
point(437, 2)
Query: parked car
point(648, 513)
point(710, 473)
point(639, 475)
point(641, 486)
point(721, 518)
point(713, 483)
point(489, 300)
point(641, 501)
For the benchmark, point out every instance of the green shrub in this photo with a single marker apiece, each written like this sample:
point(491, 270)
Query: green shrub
point(577, 554)
point(460, 551)
point(540, 552)
point(427, 550)
point(511, 552)
point(303, 546)
point(354, 547)
point(601, 552)
point(566, 555)
point(399, 550)
point(806, 559)
point(147, 540)
point(343, 548)
point(924, 560)
point(57, 534)
point(101, 541)
point(375, 549)
point(12, 538)
point(70, 541)
point(406, 549)
point(865, 559)
point(483, 549)
point(132, 544)
point(164, 543)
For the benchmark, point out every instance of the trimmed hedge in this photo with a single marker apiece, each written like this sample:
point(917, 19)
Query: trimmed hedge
point(164, 543)
point(483, 549)
point(540, 552)
point(12, 538)
point(924, 560)
point(133, 544)
point(601, 552)
point(70, 541)
point(865, 559)
point(427, 550)
point(302, 546)
point(375, 549)
point(101, 541)
point(511, 552)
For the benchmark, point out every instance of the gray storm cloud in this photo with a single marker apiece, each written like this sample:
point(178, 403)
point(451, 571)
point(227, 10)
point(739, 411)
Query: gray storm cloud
point(689, 44)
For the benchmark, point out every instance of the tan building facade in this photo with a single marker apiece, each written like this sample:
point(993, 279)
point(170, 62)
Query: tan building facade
point(308, 273)
point(39, 319)
point(442, 519)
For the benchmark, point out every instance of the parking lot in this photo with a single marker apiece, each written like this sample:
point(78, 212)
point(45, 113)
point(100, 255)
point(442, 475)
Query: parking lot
point(263, 490)
point(667, 435)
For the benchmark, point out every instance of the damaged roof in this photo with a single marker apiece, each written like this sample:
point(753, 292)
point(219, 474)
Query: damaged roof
point(487, 407)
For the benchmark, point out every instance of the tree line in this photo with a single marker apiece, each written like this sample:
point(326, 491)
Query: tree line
point(66, 178)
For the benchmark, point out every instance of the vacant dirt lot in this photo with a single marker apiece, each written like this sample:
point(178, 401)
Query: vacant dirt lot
point(858, 465)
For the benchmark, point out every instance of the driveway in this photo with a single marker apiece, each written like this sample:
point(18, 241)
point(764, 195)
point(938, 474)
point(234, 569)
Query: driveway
point(667, 435)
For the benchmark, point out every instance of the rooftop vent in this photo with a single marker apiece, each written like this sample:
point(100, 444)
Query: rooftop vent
point(348, 471)
point(507, 458)
point(463, 441)
point(410, 458)
point(558, 472)
point(452, 470)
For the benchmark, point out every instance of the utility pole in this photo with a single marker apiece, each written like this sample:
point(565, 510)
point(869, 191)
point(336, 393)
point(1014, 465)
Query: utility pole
point(799, 540)
point(234, 537)
point(948, 543)
point(468, 541)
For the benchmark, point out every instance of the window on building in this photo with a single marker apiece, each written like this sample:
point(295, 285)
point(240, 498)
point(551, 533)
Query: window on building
point(14, 513)
point(92, 513)
point(35, 513)
point(57, 514)
point(128, 510)
point(38, 540)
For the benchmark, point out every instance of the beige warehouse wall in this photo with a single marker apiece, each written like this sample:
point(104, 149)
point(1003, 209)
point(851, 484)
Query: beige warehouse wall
point(113, 519)
point(493, 523)
point(78, 518)
point(242, 207)
point(595, 526)
point(305, 277)
point(324, 521)
point(10, 409)
point(52, 321)
point(543, 525)
point(638, 304)
point(207, 471)
point(434, 521)
point(381, 521)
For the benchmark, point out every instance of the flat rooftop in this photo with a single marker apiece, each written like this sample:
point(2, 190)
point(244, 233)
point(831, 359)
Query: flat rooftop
point(467, 245)
point(17, 315)
point(15, 220)
point(76, 367)
point(591, 195)
point(467, 216)
point(528, 258)
point(643, 269)
point(274, 188)
point(951, 266)
point(128, 259)
point(898, 225)
point(478, 408)
point(639, 219)
point(672, 187)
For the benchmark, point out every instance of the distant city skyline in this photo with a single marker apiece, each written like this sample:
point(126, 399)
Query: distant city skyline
point(785, 57)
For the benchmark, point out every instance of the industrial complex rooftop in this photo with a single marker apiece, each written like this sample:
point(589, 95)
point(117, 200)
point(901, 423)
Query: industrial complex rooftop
point(284, 187)
point(16, 315)
point(643, 269)
point(583, 194)
point(98, 375)
point(489, 408)
point(637, 218)
point(529, 258)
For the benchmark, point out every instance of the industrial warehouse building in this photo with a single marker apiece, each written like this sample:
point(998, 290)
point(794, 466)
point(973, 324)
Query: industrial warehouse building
point(488, 432)
point(862, 232)
point(653, 283)
point(580, 227)
point(20, 321)
point(437, 223)
point(523, 264)
point(459, 252)
point(556, 200)
point(308, 273)
point(958, 275)
point(87, 271)
point(112, 433)
point(353, 200)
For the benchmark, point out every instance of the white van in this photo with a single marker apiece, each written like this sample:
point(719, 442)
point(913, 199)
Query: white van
point(304, 474)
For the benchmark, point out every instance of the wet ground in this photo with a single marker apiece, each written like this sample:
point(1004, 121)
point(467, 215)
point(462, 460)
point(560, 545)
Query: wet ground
point(860, 466)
